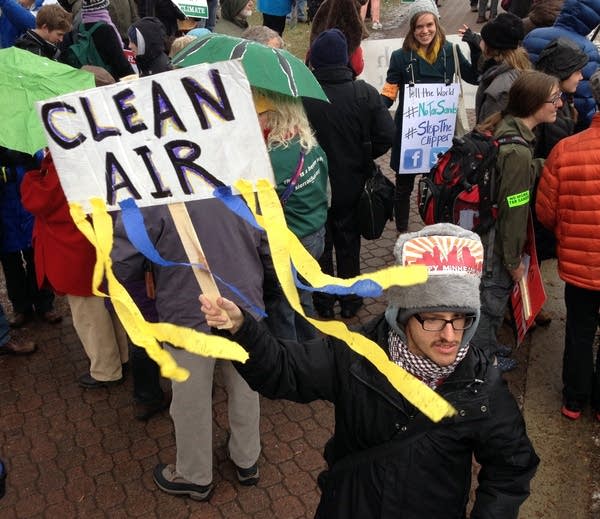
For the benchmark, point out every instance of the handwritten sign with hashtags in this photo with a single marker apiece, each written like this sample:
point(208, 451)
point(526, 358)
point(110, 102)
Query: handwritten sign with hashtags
point(428, 124)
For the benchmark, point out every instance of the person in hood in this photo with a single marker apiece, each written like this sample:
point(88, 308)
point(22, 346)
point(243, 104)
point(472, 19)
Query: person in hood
point(386, 459)
point(147, 40)
point(234, 17)
point(576, 20)
point(505, 59)
point(51, 25)
point(565, 60)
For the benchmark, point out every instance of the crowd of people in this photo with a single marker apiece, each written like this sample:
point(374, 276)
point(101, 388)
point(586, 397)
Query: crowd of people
point(536, 79)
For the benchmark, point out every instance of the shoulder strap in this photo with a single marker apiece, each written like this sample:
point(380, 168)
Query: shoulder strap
point(293, 179)
point(365, 117)
point(91, 30)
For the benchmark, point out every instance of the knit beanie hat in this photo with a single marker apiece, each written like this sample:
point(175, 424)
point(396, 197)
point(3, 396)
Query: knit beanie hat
point(560, 58)
point(503, 32)
point(231, 8)
point(329, 49)
point(90, 6)
point(454, 260)
point(422, 7)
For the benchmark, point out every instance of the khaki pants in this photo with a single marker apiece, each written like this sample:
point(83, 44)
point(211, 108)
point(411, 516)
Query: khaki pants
point(102, 335)
point(191, 410)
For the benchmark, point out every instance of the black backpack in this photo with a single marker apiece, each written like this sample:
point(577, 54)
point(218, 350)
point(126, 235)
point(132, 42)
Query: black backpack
point(460, 188)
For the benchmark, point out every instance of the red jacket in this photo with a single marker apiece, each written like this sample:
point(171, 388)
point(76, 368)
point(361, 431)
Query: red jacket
point(568, 203)
point(64, 258)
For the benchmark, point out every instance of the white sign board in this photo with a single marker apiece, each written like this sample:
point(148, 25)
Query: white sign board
point(193, 8)
point(427, 124)
point(171, 137)
point(377, 55)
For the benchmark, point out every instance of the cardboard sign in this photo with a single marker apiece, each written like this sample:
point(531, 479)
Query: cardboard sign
point(192, 8)
point(171, 137)
point(528, 295)
point(427, 124)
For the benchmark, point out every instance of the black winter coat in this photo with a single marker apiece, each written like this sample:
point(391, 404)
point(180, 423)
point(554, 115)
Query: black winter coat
point(429, 477)
point(33, 43)
point(355, 113)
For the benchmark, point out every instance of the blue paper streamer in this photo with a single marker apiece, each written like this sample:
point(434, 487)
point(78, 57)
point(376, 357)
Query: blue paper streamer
point(362, 287)
point(133, 221)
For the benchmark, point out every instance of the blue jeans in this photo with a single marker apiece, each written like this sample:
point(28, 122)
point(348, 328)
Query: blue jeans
point(210, 22)
point(4, 328)
point(282, 320)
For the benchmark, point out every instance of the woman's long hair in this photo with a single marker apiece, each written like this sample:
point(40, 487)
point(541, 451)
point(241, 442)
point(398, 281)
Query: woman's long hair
point(514, 58)
point(526, 96)
point(287, 119)
point(410, 43)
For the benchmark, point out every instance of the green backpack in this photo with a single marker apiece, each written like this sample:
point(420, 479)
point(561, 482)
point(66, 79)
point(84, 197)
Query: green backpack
point(83, 51)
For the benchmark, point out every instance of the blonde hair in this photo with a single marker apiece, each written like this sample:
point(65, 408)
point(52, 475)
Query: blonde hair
point(180, 43)
point(287, 119)
point(515, 58)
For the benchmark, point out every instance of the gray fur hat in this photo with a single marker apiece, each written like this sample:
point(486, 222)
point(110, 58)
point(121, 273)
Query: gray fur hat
point(454, 260)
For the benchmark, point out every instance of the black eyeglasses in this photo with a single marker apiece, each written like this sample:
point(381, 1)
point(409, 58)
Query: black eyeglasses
point(555, 99)
point(437, 324)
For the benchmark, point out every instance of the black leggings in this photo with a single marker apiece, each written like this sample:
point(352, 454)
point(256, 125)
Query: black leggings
point(402, 194)
point(277, 23)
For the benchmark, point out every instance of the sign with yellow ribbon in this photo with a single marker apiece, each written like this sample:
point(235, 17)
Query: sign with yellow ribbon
point(175, 137)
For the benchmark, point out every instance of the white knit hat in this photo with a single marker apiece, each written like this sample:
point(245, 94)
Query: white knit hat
point(423, 6)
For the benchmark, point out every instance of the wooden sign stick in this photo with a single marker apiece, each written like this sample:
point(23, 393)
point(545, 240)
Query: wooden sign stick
point(195, 254)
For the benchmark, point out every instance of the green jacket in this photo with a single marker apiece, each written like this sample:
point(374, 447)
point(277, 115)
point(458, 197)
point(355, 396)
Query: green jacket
point(306, 209)
point(515, 179)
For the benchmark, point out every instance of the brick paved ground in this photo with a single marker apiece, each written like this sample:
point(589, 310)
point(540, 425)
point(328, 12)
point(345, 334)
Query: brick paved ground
point(77, 453)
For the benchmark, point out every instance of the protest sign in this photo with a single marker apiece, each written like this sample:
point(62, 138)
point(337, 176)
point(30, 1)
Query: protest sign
point(192, 8)
point(528, 295)
point(428, 122)
point(171, 137)
point(166, 139)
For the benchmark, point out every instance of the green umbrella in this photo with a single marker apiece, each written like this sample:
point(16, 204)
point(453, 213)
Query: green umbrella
point(270, 69)
point(24, 79)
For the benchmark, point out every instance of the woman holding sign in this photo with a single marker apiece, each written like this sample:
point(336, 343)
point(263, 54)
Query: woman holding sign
point(425, 57)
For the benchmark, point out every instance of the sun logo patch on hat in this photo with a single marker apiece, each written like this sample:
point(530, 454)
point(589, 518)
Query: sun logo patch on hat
point(444, 255)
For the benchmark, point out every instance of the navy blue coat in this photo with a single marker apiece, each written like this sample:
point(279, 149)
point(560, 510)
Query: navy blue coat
point(16, 223)
point(577, 19)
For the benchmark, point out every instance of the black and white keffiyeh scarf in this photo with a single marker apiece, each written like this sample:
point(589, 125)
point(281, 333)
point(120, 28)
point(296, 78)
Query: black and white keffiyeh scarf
point(421, 367)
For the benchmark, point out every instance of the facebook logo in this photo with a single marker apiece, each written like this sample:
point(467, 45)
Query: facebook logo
point(413, 158)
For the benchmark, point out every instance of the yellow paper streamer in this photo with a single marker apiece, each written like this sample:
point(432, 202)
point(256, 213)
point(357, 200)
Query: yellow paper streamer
point(285, 247)
point(141, 332)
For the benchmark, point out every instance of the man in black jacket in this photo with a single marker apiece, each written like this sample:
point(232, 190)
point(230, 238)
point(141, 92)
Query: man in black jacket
point(353, 128)
point(386, 459)
point(51, 24)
